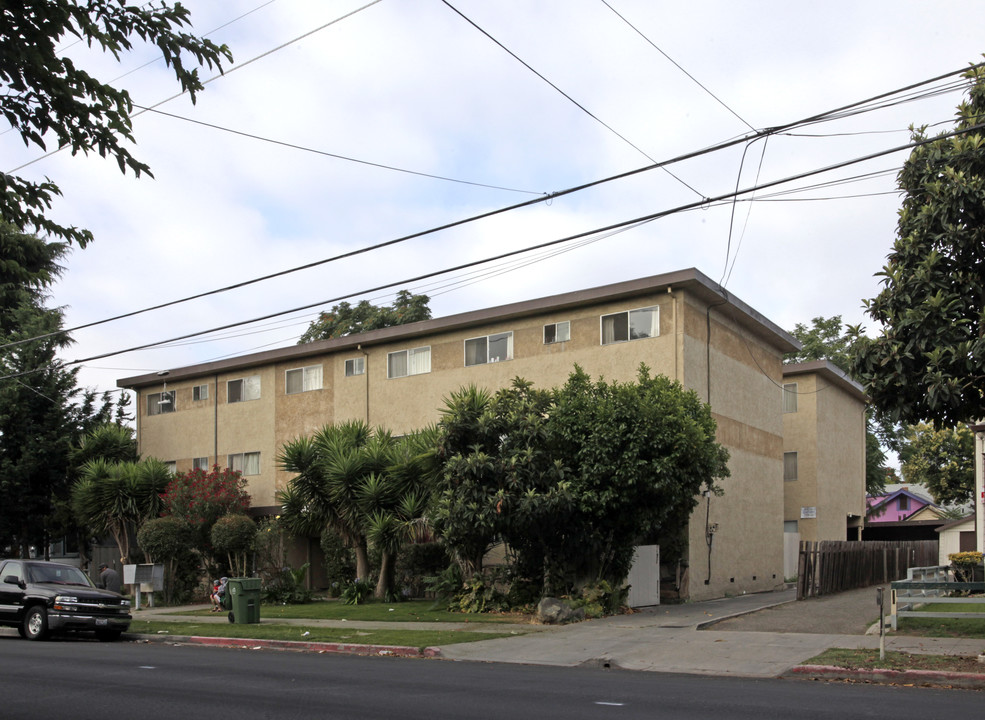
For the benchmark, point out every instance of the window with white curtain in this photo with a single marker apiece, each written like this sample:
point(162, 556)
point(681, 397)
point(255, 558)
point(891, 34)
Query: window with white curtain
point(408, 362)
point(200, 463)
point(631, 325)
point(304, 379)
point(200, 392)
point(557, 332)
point(243, 389)
point(489, 349)
point(245, 463)
point(790, 397)
point(172, 466)
point(355, 366)
point(162, 402)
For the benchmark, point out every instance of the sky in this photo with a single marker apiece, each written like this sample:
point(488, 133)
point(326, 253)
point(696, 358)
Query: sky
point(342, 125)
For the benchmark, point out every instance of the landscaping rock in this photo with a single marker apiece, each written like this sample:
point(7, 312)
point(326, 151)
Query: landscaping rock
point(552, 611)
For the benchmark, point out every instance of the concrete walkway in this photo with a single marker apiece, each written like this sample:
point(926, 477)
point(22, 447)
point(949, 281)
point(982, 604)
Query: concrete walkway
point(719, 637)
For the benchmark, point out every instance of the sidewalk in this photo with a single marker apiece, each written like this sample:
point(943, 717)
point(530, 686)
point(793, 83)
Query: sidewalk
point(719, 637)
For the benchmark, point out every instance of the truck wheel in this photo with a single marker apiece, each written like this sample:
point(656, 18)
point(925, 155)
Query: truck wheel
point(35, 624)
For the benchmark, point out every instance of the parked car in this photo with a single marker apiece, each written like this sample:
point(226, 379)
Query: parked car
point(40, 598)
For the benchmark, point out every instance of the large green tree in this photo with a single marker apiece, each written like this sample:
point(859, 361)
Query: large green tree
point(42, 411)
point(361, 483)
point(943, 461)
point(46, 97)
point(346, 319)
point(927, 360)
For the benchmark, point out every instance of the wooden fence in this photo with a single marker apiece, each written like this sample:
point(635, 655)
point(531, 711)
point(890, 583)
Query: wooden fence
point(831, 567)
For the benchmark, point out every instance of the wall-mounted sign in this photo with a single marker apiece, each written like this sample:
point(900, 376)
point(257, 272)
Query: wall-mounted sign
point(808, 513)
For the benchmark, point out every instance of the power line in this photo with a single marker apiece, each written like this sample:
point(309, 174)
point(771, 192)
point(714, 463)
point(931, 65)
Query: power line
point(677, 65)
point(293, 146)
point(566, 96)
point(652, 216)
point(814, 119)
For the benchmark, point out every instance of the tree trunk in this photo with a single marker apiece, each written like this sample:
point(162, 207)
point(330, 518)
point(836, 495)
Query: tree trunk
point(385, 584)
point(362, 559)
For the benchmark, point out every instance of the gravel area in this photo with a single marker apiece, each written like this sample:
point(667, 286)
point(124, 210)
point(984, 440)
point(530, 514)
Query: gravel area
point(847, 613)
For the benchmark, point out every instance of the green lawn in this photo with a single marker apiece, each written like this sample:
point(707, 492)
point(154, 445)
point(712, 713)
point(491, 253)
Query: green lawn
point(408, 611)
point(945, 627)
point(264, 631)
point(869, 660)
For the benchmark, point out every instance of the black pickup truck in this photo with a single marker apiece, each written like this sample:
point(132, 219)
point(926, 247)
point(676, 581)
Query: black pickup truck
point(40, 598)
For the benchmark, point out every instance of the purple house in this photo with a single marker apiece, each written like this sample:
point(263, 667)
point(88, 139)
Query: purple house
point(895, 506)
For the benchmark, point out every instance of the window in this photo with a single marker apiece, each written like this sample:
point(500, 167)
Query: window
point(790, 526)
point(245, 463)
point(789, 466)
point(489, 349)
point(557, 332)
point(243, 389)
point(172, 466)
point(355, 366)
point(201, 463)
point(904, 502)
point(162, 402)
point(200, 392)
point(790, 397)
point(408, 362)
point(303, 379)
point(632, 325)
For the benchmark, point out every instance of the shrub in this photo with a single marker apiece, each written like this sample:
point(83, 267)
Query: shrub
point(356, 592)
point(340, 562)
point(235, 536)
point(287, 587)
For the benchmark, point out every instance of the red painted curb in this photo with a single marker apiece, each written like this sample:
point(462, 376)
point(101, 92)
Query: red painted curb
point(897, 677)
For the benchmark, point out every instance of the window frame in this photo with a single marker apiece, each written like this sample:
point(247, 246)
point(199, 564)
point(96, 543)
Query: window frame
point(789, 398)
point(200, 392)
point(556, 326)
point(197, 465)
point(786, 467)
point(304, 379)
point(488, 340)
point(231, 462)
point(654, 325)
point(357, 365)
point(408, 354)
point(245, 385)
point(158, 404)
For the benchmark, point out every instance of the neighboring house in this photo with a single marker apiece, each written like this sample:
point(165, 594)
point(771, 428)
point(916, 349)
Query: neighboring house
point(896, 504)
point(956, 536)
point(823, 456)
point(902, 512)
point(240, 411)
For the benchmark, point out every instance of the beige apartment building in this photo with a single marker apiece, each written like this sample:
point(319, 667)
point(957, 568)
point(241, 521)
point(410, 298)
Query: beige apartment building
point(823, 455)
point(239, 412)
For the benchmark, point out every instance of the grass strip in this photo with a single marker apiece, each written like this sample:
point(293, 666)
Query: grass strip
point(408, 611)
point(270, 631)
point(869, 660)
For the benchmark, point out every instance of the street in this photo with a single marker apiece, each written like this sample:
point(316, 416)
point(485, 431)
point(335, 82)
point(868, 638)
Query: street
point(84, 680)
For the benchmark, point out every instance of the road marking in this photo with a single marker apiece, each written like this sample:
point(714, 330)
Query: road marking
point(147, 667)
point(613, 704)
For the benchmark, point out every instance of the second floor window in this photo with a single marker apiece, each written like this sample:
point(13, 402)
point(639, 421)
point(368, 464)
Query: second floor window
point(790, 397)
point(557, 332)
point(244, 389)
point(489, 349)
point(789, 466)
point(355, 366)
point(631, 325)
point(200, 392)
point(159, 403)
point(303, 379)
point(408, 362)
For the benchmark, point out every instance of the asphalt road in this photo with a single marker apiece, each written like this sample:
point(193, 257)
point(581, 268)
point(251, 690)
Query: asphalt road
point(86, 680)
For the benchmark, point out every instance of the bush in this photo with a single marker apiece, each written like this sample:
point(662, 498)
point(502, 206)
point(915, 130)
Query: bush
point(356, 592)
point(965, 564)
point(417, 563)
point(169, 540)
point(235, 537)
point(287, 587)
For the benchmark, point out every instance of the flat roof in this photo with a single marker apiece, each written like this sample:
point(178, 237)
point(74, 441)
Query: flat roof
point(692, 280)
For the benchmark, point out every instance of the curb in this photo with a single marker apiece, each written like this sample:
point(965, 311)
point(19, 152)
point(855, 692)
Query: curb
point(293, 645)
point(922, 678)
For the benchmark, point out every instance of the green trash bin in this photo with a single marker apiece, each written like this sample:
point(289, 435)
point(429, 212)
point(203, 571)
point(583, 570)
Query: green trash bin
point(243, 600)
